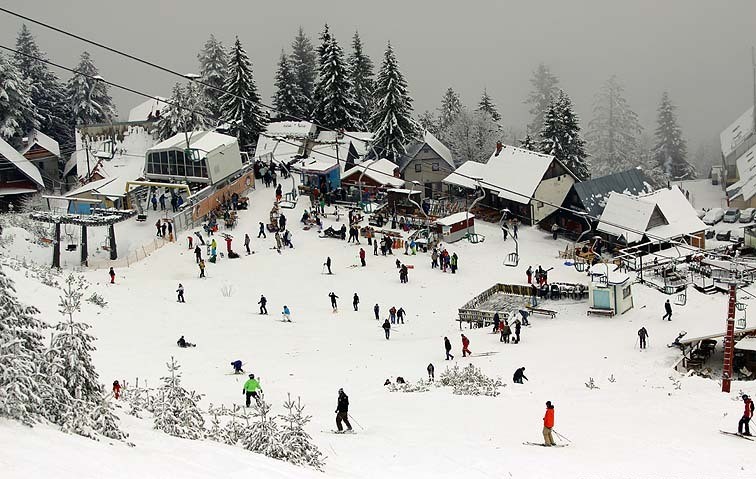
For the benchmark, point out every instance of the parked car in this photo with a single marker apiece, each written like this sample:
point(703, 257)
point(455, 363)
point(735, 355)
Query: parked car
point(713, 216)
point(724, 235)
point(746, 215)
point(732, 215)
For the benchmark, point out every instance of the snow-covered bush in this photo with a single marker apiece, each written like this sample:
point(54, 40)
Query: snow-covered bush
point(97, 300)
point(419, 387)
point(299, 447)
point(264, 436)
point(175, 409)
point(236, 427)
point(470, 381)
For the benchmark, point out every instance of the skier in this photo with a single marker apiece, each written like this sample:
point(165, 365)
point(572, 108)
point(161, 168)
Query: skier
point(529, 274)
point(263, 301)
point(548, 425)
point(376, 310)
point(448, 348)
point(747, 415)
point(362, 256)
point(333, 297)
point(400, 315)
point(180, 292)
point(327, 264)
point(112, 275)
point(286, 314)
point(387, 328)
point(431, 372)
point(668, 311)
point(250, 389)
point(465, 346)
point(116, 389)
point(262, 230)
point(183, 343)
point(342, 411)
point(197, 254)
point(246, 243)
point(642, 335)
point(355, 301)
point(237, 366)
point(202, 268)
point(519, 375)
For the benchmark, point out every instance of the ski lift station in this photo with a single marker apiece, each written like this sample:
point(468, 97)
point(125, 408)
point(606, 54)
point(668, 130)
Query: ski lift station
point(455, 227)
point(194, 157)
point(610, 293)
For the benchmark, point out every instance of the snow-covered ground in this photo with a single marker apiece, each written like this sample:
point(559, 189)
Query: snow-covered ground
point(640, 425)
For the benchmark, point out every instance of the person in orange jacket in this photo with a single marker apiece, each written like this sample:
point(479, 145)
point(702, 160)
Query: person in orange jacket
point(465, 346)
point(116, 389)
point(548, 425)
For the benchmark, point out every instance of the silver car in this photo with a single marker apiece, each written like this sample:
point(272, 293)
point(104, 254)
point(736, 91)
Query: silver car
point(746, 215)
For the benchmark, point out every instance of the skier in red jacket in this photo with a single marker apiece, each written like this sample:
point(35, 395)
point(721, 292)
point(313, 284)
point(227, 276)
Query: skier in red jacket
point(548, 425)
point(116, 389)
point(362, 256)
point(465, 346)
point(747, 415)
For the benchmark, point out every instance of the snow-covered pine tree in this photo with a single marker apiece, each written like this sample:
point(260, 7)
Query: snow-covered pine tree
point(334, 105)
point(48, 94)
point(472, 136)
point(325, 41)
point(613, 132)
point(451, 106)
point(175, 409)
point(561, 138)
point(392, 123)
point(264, 436)
point(172, 117)
point(16, 107)
point(298, 444)
point(241, 103)
point(236, 427)
point(487, 105)
point(287, 99)
point(104, 421)
point(197, 115)
point(213, 60)
point(89, 98)
point(670, 150)
point(529, 143)
point(545, 89)
point(304, 64)
point(363, 84)
point(428, 121)
point(22, 386)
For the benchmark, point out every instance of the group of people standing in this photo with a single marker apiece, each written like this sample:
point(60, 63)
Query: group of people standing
point(441, 259)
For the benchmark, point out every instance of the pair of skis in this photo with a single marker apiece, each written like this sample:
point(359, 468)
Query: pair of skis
point(747, 438)
point(544, 445)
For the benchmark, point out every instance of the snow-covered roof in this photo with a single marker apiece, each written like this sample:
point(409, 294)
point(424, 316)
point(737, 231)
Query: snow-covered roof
point(286, 150)
point(454, 218)
point(737, 132)
point(91, 187)
point(201, 140)
point(361, 141)
point(746, 344)
point(594, 193)
point(70, 164)
point(746, 185)
point(36, 137)
point(24, 166)
point(435, 144)
point(515, 169)
point(291, 129)
point(682, 218)
point(329, 152)
point(381, 171)
point(314, 165)
point(626, 216)
point(142, 111)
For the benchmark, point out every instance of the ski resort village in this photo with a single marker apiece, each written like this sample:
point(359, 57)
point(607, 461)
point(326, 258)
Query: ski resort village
point(336, 249)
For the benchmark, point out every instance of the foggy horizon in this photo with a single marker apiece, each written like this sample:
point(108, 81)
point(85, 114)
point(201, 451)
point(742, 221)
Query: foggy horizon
point(700, 52)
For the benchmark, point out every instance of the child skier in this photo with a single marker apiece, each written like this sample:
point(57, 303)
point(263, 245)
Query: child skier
point(286, 314)
point(112, 275)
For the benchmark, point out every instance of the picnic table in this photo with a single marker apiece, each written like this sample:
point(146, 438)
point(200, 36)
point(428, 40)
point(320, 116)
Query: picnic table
point(542, 311)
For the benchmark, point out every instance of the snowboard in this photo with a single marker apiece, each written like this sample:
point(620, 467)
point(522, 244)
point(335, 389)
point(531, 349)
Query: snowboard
point(736, 434)
point(544, 445)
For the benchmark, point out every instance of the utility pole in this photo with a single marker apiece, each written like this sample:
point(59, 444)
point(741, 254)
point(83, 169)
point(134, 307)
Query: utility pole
point(729, 339)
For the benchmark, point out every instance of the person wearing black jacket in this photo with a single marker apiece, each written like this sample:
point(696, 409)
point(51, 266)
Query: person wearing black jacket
point(355, 301)
point(377, 311)
point(447, 346)
point(342, 411)
point(333, 297)
point(263, 301)
point(519, 375)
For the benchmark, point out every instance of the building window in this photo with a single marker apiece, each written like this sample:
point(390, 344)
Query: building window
point(435, 166)
point(625, 292)
point(418, 167)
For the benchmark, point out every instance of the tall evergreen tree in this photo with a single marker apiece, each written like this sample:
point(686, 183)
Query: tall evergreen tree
point(48, 94)
point(450, 107)
point(213, 60)
point(472, 136)
point(545, 89)
point(197, 113)
point(335, 107)
point(241, 103)
point(16, 107)
point(361, 74)
point(528, 143)
point(487, 105)
point(288, 100)
point(391, 123)
point(671, 150)
point(172, 117)
point(325, 41)
point(303, 60)
point(560, 136)
point(89, 98)
point(613, 132)
point(428, 121)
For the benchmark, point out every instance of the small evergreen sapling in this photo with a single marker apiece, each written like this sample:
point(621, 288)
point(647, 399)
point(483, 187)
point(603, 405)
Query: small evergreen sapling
point(175, 409)
point(297, 443)
point(264, 436)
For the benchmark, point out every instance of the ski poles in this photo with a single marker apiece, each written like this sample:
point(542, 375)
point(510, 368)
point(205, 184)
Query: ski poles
point(560, 436)
point(355, 421)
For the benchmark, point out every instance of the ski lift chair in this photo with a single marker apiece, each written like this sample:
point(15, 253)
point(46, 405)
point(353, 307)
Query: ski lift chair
point(513, 259)
point(682, 298)
point(71, 246)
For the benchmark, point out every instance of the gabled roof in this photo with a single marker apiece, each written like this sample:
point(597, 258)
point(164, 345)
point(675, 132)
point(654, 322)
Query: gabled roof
point(330, 152)
point(36, 137)
point(202, 140)
point(516, 170)
point(142, 111)
point(434, 143)
point(22, 164)
point(381, 171)
point(737, 132)
point(682, 218)
point(746, 185)
point(626, 216)
point(291, 129)
point(594, 193)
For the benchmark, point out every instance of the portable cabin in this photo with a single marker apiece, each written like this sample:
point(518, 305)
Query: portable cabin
point(322, 174)
point(454, 227)
point(611, 292)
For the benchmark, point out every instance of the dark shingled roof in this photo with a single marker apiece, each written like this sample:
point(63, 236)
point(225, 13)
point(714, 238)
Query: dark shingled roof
point(594, 193)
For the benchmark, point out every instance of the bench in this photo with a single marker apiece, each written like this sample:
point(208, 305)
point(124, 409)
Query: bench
point(600, 312)
point(545, 312)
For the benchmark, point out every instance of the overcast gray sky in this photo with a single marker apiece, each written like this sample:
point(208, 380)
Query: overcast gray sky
point(699, 50)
